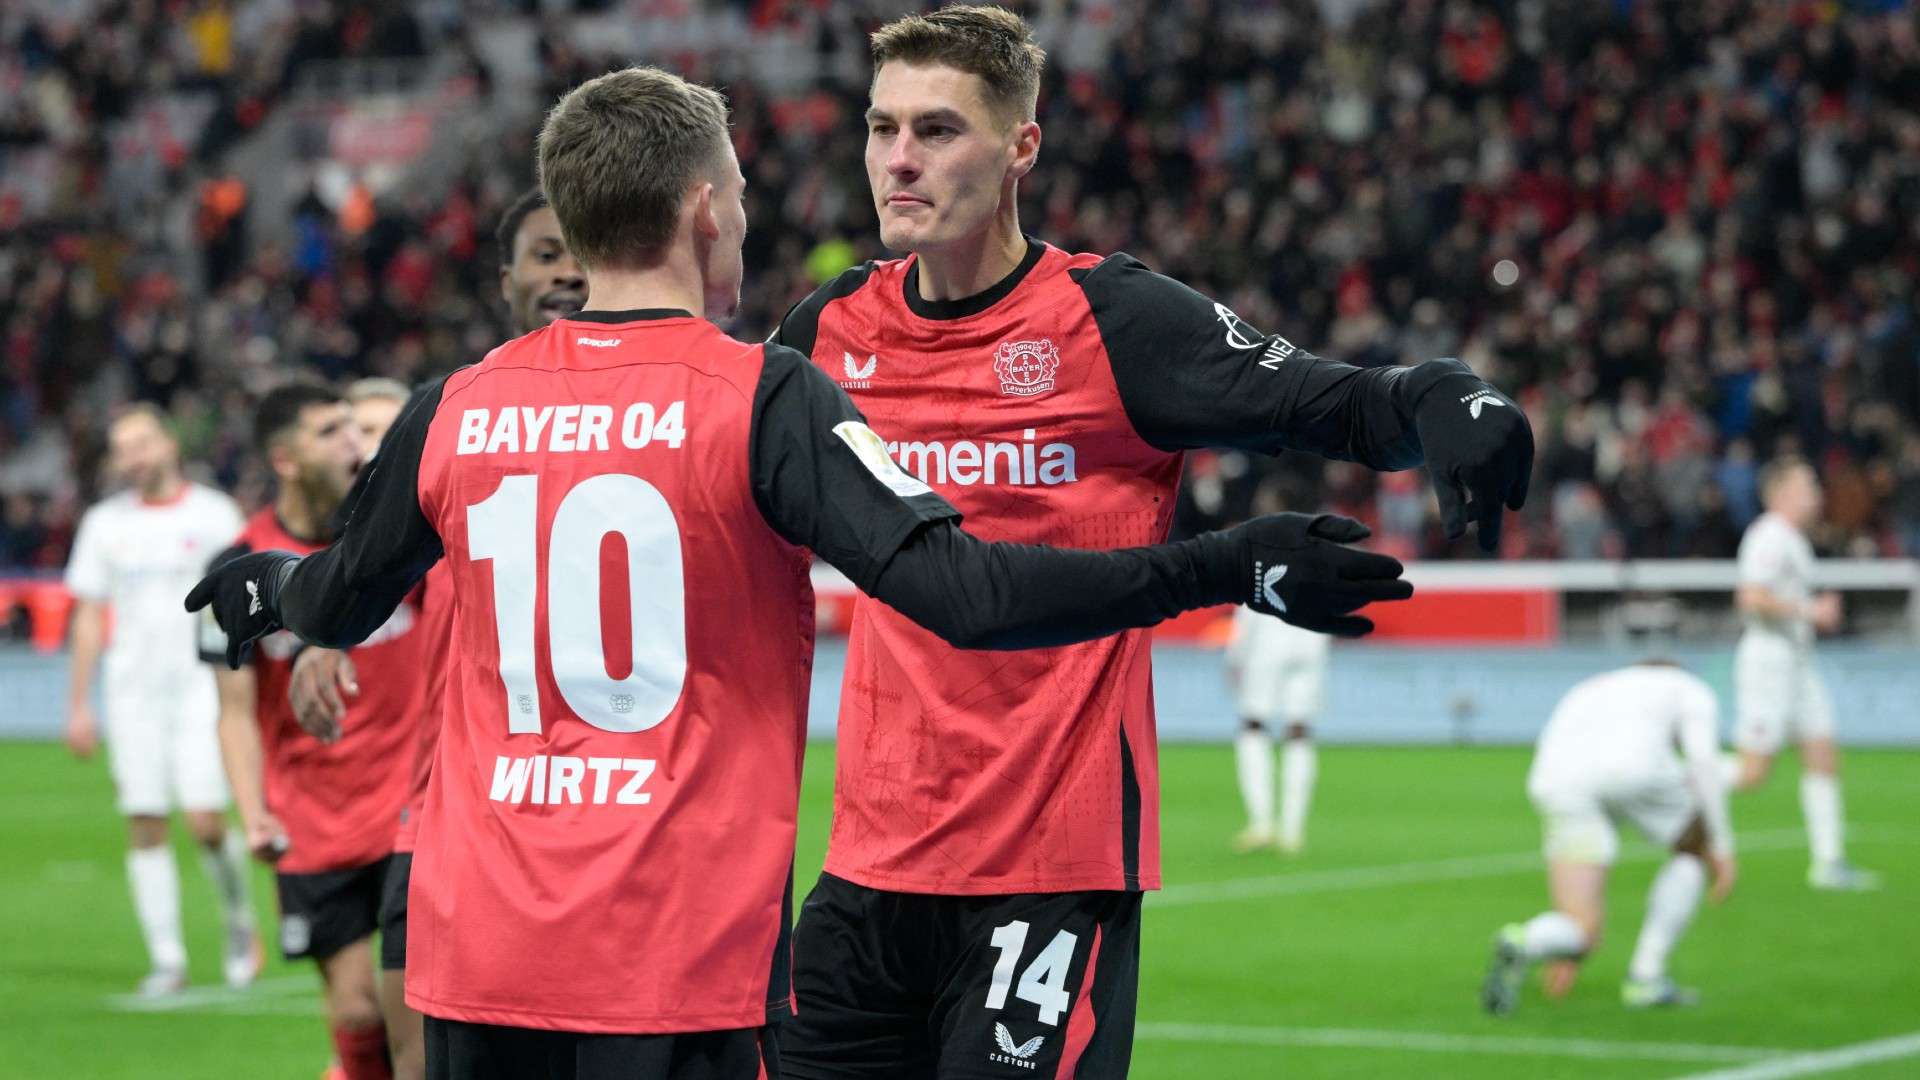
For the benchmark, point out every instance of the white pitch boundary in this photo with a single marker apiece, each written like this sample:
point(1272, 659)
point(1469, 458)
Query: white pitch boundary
point(1426, 871)
point(1440, 1042)
point(215, 997)
point(1821, 1061)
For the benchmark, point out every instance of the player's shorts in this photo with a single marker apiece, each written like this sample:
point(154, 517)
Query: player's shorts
point(320, 914)
point(393, 911)
point(1285, 684)
point(163, 749)
point(1780, 695)
point(902, 985)
point(457, 1050)
point(1580, 825)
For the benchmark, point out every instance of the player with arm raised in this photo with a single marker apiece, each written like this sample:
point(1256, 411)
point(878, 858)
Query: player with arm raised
point(1608, 754)
point(1049, 396)
point(623, 499)
point(540, 282)
point(322, 812)
point(134, 552)
point(1779, 689)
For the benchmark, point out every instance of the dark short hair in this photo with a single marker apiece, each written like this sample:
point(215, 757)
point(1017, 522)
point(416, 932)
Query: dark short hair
point(279, 412)
point(507, 234)
point(990, 42)
point(617, 156)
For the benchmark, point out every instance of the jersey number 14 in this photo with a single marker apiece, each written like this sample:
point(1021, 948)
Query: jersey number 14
point(503, 529)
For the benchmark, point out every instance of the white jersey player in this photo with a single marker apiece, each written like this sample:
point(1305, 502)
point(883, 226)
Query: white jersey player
point(1607, 755)
point(136, 554)
point(1778, 688)
point(1279, 675)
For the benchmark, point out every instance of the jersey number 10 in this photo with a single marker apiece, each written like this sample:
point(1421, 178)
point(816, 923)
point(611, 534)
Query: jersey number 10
point(504, 529)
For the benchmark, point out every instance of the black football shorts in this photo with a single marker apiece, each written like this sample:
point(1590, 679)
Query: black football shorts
point(393, 911)
point(322, 913)
point(461, 1051)
point(904, 986)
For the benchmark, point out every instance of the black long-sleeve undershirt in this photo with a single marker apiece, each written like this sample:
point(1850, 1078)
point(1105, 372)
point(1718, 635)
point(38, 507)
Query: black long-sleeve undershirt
point(894, 538)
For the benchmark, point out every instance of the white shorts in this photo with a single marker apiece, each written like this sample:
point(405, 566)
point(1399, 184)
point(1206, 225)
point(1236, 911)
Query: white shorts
point(164, 749)
point(1582, 825)
point(1779, 695)
point(1284, 678)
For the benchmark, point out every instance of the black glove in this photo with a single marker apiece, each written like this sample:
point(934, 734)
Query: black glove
point(1479, 448)
point(243, 591)
point(1298, 570)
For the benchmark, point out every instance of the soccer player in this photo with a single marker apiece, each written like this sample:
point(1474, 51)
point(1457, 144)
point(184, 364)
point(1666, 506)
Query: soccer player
point(1606, 755)
point(1778, 686)
point(1279, 676)
point(323, 813)
point(623, 498)
point(540, 282)
point(134, 552)
point(1010, 802)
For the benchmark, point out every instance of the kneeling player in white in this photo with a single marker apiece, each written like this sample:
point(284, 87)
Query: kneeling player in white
point(136, 550)
point(1607, 754)
point(1279, 675)
point(1780, 691)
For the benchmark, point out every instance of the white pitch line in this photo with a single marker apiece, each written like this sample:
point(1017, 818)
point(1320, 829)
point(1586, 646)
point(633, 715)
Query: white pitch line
point(1418, 872)
point(1821, 1061)
point(1439, 1042)
point(210, 997)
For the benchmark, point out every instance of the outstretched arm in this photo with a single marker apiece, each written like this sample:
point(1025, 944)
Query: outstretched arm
point(338, 596)
point(1191, 374)
point(823, 480)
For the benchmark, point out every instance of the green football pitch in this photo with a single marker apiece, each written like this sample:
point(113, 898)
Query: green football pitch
point(1361, 958)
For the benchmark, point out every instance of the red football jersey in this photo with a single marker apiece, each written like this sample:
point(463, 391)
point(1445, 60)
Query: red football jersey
point(338, 801)
point(436, 629)
point(979, 773)
point(609, 829)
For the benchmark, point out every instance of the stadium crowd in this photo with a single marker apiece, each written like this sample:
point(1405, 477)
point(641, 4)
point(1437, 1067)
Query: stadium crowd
point(1684, 235)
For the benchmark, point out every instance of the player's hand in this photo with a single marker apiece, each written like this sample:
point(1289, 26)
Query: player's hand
point(1827, 612)
point(241, 592)
point(1298, 569)
point(266, 838)
point(83, 731)
point(1479, 449)
point(1725, 872)
point(322, 681)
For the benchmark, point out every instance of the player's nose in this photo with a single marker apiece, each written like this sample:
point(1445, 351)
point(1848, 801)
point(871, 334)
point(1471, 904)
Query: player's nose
point(903, 160)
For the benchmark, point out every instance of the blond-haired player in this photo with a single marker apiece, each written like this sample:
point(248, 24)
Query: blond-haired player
point(1777, 684)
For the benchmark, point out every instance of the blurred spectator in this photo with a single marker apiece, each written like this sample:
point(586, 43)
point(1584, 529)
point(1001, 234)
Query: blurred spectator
point(1685, 236)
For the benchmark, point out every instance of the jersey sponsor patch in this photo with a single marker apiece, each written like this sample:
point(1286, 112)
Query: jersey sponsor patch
point(873, 454)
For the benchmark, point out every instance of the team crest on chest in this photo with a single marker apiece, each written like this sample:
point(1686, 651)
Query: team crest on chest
point(1026, 368)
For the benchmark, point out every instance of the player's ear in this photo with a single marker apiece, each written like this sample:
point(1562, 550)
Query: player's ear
point(280, 459)
point(1026, 149)
point(705, 222)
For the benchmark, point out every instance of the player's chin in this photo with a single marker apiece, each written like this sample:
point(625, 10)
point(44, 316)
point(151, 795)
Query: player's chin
point(900, 233)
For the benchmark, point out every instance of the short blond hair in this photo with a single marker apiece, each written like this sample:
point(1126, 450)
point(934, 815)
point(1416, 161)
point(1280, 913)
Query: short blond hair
point(989, 42)
point(377, 388)
point(1779, 470)
point(616, 157)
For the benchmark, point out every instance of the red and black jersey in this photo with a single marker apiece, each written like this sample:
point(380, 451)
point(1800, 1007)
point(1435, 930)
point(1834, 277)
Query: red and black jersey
point(622, 500)
point(338, 801)
point(1052, 408)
